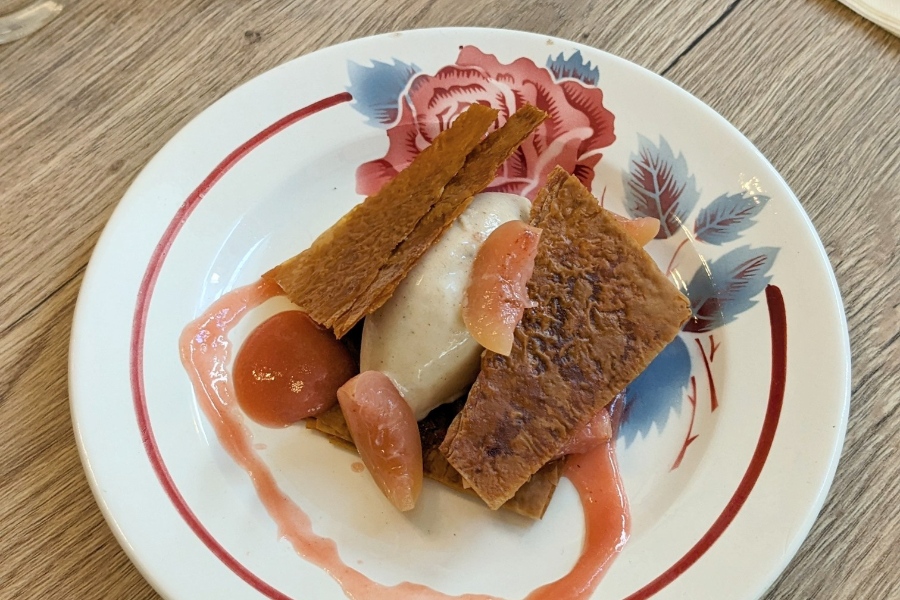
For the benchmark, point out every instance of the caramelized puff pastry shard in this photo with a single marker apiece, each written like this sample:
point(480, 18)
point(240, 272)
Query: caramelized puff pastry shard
point(354, 267)
point(603, 312)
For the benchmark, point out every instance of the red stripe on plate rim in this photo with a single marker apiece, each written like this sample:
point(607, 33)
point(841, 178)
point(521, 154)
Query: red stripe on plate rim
point(145, 293)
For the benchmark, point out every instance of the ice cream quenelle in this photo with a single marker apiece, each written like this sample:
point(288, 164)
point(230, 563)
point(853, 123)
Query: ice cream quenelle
point(418, 338)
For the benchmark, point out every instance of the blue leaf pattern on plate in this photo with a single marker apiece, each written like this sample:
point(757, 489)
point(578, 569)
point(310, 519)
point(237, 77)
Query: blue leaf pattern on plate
point(573, 68)
point(658, 185)
point(377, 90)
point(727, 216)
point(721, 289)
point(651, 397)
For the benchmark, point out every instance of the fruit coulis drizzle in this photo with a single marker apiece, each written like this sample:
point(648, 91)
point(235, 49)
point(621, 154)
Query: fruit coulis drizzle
point(206, 353)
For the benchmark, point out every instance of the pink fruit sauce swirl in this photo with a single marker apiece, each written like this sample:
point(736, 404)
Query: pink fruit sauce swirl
point(206, 353)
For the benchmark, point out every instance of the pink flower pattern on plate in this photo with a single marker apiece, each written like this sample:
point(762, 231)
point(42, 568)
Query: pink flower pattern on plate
point(578, 129)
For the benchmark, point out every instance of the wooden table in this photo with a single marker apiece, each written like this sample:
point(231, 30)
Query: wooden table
point(85, 103)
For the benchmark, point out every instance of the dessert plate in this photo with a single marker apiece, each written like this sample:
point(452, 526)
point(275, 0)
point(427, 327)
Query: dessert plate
point(730, 439)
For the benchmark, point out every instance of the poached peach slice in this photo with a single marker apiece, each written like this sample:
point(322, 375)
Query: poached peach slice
point(497, 295)
point(386, 435)
point(642, 229)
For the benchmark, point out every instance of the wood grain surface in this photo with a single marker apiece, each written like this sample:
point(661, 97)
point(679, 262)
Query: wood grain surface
point(88, 100)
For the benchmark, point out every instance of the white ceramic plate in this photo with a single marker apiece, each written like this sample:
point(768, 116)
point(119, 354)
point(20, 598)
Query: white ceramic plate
point(732, 437)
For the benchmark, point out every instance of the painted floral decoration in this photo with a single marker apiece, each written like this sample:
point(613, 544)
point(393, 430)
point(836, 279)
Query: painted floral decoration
point(659, 184)
point(414, 107)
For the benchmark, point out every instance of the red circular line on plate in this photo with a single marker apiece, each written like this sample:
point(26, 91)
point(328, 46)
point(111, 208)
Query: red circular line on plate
point(140, 321)
point(777, 320)
point(778, 326)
